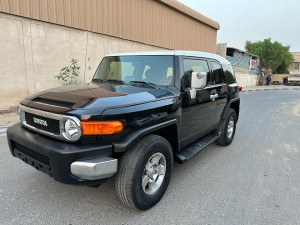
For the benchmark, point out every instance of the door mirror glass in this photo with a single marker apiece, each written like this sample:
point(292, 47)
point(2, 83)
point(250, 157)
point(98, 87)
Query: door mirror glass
point(198, 79)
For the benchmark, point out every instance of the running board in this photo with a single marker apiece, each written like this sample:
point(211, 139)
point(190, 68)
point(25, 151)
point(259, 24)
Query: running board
point(192, 149)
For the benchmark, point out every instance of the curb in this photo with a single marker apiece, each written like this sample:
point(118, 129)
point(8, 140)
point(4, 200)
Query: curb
point(3, 129)
point(268, 89)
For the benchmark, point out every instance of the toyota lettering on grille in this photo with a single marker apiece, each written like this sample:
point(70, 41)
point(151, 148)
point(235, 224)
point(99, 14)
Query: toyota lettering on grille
point(39, 121)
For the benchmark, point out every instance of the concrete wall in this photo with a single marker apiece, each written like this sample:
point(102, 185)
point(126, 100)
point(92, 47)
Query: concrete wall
point(33, 52)
point(278, 77)
point(296, 59)
point(221, 49)
point(240, 70)
point(246, 80)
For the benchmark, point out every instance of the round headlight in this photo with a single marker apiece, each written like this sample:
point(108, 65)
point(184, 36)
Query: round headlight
point(72, 130)
point(19, 113)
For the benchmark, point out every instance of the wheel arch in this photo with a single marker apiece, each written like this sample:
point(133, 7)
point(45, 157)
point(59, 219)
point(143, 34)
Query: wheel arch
point(235, 105)
point(168, 130)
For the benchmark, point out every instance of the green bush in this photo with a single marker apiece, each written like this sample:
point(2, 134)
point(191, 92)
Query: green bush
point(69, 74)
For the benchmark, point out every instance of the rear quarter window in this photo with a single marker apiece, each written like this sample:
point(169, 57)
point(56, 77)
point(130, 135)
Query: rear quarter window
point(229, 74)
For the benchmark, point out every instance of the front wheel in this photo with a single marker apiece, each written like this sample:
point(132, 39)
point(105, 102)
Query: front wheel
point(227, 127)
point(145, 172)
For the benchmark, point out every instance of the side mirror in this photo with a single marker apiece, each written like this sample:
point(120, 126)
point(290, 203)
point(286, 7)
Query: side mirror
point(198, 81)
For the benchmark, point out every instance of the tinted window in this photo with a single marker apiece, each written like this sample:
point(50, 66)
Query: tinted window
point(217, 73)
point(194, 65)
point(229, 74)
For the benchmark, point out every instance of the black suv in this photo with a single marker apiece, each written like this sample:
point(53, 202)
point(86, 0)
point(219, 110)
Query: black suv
point(140, 112)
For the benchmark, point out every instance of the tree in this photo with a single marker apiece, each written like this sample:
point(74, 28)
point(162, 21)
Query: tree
point(287, 60)
point(273, 55)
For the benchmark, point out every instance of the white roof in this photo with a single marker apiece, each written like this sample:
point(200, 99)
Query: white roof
point(176, 52)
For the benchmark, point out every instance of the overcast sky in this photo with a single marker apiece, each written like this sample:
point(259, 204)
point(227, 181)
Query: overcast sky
point(254, 20)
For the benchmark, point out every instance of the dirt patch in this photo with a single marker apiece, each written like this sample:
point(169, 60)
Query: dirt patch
point(11, 109)
point(8, 119)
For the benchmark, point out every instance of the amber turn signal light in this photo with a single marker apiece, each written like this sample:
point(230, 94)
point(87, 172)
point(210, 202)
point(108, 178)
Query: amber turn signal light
point(101, 127)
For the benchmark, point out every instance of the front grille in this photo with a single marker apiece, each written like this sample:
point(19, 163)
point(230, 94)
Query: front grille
point(50, 125)
point(33, 154)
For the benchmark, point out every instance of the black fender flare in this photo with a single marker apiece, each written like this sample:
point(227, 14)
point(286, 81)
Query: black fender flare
point(124, 144)
point(228, 106)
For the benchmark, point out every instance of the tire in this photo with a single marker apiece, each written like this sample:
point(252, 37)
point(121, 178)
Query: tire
point(226, 137)
point(132, 172)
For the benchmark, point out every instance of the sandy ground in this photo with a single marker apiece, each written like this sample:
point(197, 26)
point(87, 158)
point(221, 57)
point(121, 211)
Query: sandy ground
point(8, 119)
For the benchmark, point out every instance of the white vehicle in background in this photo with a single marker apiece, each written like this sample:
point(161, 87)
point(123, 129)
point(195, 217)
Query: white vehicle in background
point(294, 78)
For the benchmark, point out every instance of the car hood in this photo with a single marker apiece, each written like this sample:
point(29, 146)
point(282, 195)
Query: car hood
point(93, 96)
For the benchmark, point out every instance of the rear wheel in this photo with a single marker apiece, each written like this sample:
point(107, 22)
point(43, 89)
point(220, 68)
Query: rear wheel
point(227, 127)
point(145, 172)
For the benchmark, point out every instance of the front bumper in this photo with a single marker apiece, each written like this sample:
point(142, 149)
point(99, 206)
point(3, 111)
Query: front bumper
point(69, 163)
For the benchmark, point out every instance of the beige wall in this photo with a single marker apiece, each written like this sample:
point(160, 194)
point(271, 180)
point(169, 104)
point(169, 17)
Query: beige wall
point(246, 80)
point(12, 62)
point(278, 77)
point(240, 70)
point(296, 59)
point(32, 52)
point(221, 49)
point(296, 56)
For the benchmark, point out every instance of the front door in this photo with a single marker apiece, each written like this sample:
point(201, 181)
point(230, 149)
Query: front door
point(198, 114)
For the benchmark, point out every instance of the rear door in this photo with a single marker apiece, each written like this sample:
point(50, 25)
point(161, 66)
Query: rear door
point(197, 114)
point(221, 90)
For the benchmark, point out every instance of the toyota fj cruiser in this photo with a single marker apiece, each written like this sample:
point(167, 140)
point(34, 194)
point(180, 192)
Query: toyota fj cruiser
point(140, 112)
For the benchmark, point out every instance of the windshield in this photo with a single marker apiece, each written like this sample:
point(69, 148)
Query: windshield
point(153, 69)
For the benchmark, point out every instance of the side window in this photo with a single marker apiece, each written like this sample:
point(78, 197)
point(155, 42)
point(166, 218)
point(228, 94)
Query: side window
point(217, 72)
point(193, 65)
point(229, 74)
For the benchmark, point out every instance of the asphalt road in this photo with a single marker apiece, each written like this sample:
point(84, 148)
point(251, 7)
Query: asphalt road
point(255, 180)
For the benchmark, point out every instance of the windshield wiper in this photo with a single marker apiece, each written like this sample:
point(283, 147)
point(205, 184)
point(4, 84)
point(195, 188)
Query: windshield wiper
point(110, 80)
point(116, 81)
point(143, 83)
point(97, 80)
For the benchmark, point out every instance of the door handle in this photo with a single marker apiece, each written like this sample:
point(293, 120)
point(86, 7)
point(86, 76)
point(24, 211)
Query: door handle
point(213, 97)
